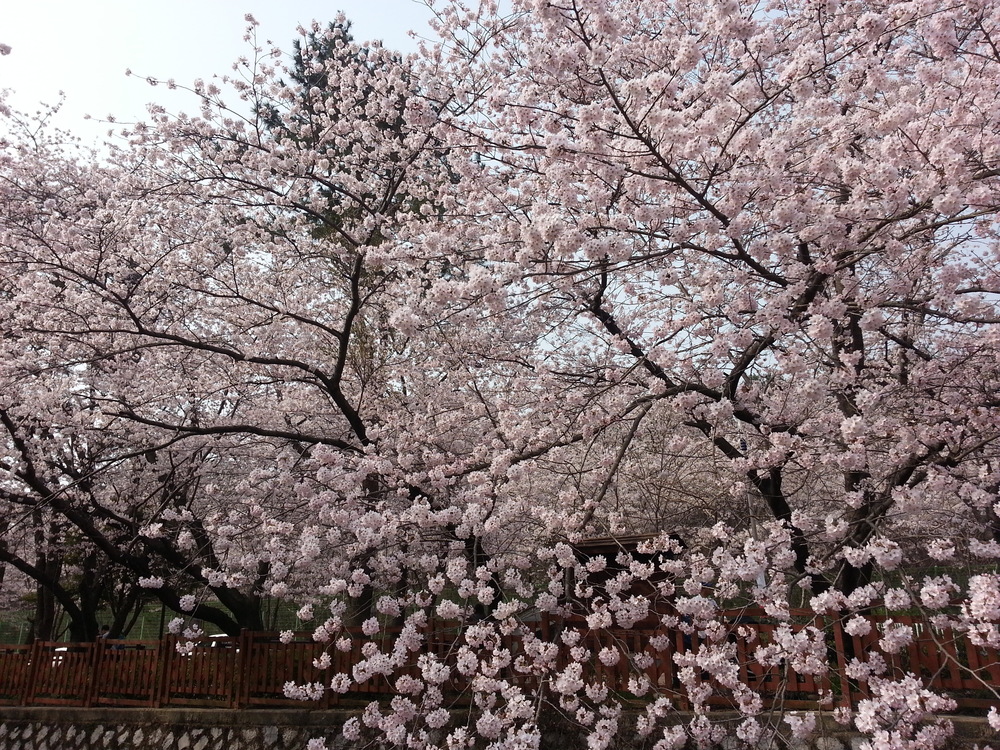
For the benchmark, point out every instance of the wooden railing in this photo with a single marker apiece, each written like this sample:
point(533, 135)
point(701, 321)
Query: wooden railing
point(252, 670)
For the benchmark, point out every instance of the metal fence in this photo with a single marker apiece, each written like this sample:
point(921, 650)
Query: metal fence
point(253, 669)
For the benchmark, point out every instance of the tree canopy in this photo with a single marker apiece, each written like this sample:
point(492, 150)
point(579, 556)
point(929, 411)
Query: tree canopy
point(391, 336)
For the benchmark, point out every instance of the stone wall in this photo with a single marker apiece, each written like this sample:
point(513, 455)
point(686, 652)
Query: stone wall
point(164, 729)
point(291, 729)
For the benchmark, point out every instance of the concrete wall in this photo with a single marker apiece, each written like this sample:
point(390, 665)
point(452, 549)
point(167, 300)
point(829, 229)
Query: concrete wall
point(291, 729)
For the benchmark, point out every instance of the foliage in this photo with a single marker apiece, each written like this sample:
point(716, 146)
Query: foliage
point(417, 325)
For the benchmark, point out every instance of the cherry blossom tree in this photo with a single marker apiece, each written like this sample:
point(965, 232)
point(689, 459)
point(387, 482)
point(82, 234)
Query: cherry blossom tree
point(640, 208)
point(418, 325)
point(235, 263)
point(119, 496)
point(776, 225)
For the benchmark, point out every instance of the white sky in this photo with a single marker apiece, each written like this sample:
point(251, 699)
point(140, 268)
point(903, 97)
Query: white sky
point(82, 47)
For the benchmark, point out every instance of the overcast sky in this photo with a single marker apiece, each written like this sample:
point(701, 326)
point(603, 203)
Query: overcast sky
point(83, 47)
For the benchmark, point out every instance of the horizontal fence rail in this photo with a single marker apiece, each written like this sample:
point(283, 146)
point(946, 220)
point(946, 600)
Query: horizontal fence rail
point(253, 669)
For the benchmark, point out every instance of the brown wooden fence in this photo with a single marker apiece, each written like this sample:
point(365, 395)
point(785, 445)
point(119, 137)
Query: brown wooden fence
point(253, 669)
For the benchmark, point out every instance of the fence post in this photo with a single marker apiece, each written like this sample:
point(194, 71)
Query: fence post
point(154, 699)
point(846, 691)
point(241, 687)
point(34, 664)
point(167, 643)
point(329, 699)
point(96, 656)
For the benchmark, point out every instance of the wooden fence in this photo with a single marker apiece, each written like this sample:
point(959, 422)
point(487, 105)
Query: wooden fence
point(252, 670)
